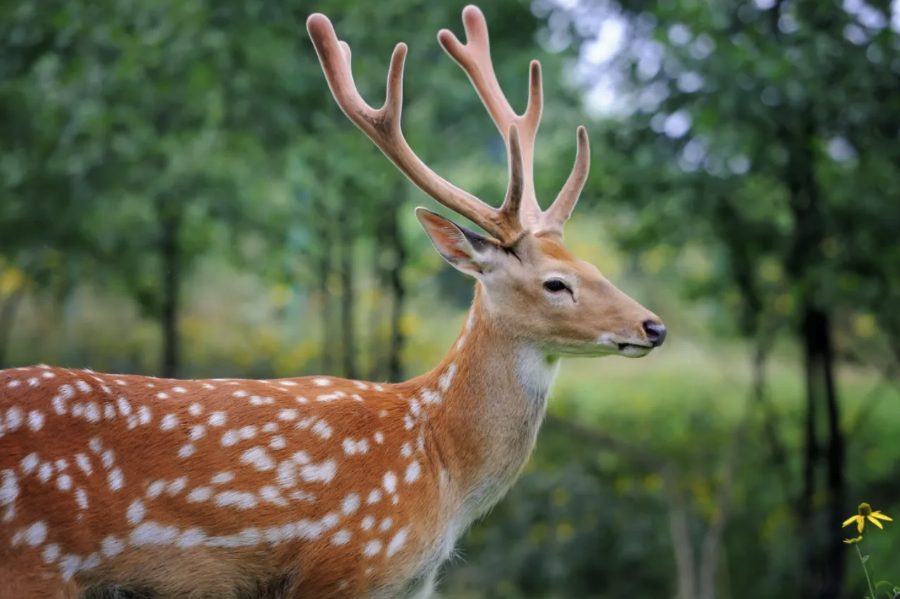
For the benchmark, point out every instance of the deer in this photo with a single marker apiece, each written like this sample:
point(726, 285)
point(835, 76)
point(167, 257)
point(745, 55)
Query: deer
point(115, 486)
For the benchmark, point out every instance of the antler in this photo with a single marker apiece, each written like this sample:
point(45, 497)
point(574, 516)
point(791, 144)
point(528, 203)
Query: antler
point(475, 59)
point(382, 126)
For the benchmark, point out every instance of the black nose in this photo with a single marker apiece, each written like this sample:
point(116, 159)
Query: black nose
point(656, 332)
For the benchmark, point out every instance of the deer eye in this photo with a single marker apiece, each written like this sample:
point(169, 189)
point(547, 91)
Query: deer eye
point(555, 285)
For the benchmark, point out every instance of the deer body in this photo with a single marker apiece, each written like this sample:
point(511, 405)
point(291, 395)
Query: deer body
point(327, 487)
point(115, 486)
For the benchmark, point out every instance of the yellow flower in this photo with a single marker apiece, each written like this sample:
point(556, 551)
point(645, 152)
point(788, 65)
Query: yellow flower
point(865, 511)
point(852, 541)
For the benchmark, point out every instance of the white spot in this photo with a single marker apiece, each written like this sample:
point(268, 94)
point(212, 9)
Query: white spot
point(272, 495)
point(197, 432)
point(368, 522)
point(77, 409)
point(287, 414)
point(270, 427)
point(277, 442)
point(51, 553)
point(288, 383)
point(350, 504)
point(286, 474)
point(162, 395)
point(229, 438)
point(246, 538)
point(322, 429)
point(301, 457)
point(83, 387)
point(222, 477)
point(352, 447)
point(144, 415)
point(397, 542)
point(34, 381)
point(186, 451)
point(152, 533)
point(92, 412)
point(13, 384)
point(116, 479)
point(30, 463)
point(13, 419)
point(92, 561)
point(260, 401)
point(81, 498)
point(240, 393)
point(195, 409)
point(62, 464)
point(258, 458)
point(360, 385)
point(136, 511)
point(341, 537)
point(247, 432)
point(177, 486)
point(430, 397)
point(390, 482)
point(200, 494)
point(208, 386)
point(121, 383)
point(124, 406)
point(378, 387)
point(374, 497)
point(386, 524)
point(323, 472)
point(35, 420)
point(379, 438)
point(111, 546)
point(45, 472)
point(217, 419)
point(36, 534)
point(408, 423)
point(107, 458)
point(415, 408)
point(321, 382)
point(420, 442)
point(192, 537)
point(447, 378)
point(179, 389)
point(64, 482)
point(155, 489)
point(109, 411)
point(372, 548)
point(413, 471)
point(68, 566)
point(239, 499)
point(406, 450)
point(301, 400)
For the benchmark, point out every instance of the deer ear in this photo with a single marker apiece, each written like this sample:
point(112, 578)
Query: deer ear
point(465, 250)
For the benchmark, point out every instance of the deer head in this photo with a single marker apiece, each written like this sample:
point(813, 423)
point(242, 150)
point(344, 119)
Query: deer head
point(532, 285)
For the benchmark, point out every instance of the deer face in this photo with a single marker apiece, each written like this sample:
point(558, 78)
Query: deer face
point(537, 290)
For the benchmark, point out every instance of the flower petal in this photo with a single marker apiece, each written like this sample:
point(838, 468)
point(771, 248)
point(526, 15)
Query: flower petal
point(860, 523)
point(849, 520)
point(882, 516)
point(876, 522)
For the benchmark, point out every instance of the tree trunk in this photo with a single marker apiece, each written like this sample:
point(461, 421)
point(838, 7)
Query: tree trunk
point(348, 331)
point(170, 249)
point(399, 257)
point(7, 319)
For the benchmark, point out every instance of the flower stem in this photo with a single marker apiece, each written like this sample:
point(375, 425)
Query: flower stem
point(865, 570)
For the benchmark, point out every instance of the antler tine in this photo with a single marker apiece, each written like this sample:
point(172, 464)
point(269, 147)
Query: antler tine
point(475, 59)
point(561, 209)
point(382, 126)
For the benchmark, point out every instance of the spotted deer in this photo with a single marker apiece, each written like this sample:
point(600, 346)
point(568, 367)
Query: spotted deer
point(317, 487)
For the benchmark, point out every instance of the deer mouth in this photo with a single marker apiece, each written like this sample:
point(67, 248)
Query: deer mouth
point(633, 350)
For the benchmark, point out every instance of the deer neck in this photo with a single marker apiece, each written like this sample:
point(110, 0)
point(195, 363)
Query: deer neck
point(484, 405)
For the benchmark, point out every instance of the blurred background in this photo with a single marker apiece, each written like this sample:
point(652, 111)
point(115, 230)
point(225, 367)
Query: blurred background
point(180, 196)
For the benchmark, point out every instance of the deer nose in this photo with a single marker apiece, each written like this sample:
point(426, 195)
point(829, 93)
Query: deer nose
point(656, 332)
